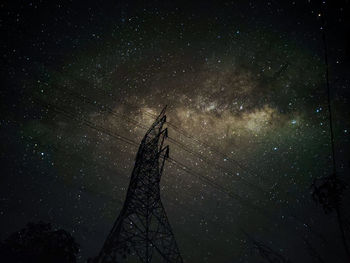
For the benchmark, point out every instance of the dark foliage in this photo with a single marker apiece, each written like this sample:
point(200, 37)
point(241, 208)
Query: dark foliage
point(38, 243)
point(316, 257)
point(327, 192)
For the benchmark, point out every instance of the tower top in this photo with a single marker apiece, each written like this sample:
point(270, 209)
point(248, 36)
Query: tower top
point(160, 120)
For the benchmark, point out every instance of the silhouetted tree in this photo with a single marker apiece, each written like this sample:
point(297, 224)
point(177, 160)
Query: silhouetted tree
point(316, 257)
point(38, 243)
point(328, 192)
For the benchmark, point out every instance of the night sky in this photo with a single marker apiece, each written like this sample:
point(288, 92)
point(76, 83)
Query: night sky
point(245, 86)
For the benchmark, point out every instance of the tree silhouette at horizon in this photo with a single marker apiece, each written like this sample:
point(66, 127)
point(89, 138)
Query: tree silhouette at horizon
point(39, 243)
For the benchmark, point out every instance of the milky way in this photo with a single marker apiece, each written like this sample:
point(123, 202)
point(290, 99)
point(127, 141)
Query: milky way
point(246, 108)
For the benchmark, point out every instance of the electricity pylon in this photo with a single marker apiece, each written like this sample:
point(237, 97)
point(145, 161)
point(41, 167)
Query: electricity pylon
point(142, 232)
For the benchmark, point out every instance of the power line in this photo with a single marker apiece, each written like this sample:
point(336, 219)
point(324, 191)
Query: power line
point(103, 107)
point(179, 144)
point(170, 124)
point(184, 133)
point(244, 201)
point(88, 123)
point(208, 161)
point(133, 143)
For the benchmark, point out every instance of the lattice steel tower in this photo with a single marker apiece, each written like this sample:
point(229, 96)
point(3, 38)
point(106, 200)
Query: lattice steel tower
point(142, 232)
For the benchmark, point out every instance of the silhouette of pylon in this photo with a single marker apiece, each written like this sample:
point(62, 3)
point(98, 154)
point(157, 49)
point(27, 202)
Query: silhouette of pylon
point(142, 232)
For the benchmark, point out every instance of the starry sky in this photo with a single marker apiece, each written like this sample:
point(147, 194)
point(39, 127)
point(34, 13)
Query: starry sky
point(245, 86)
